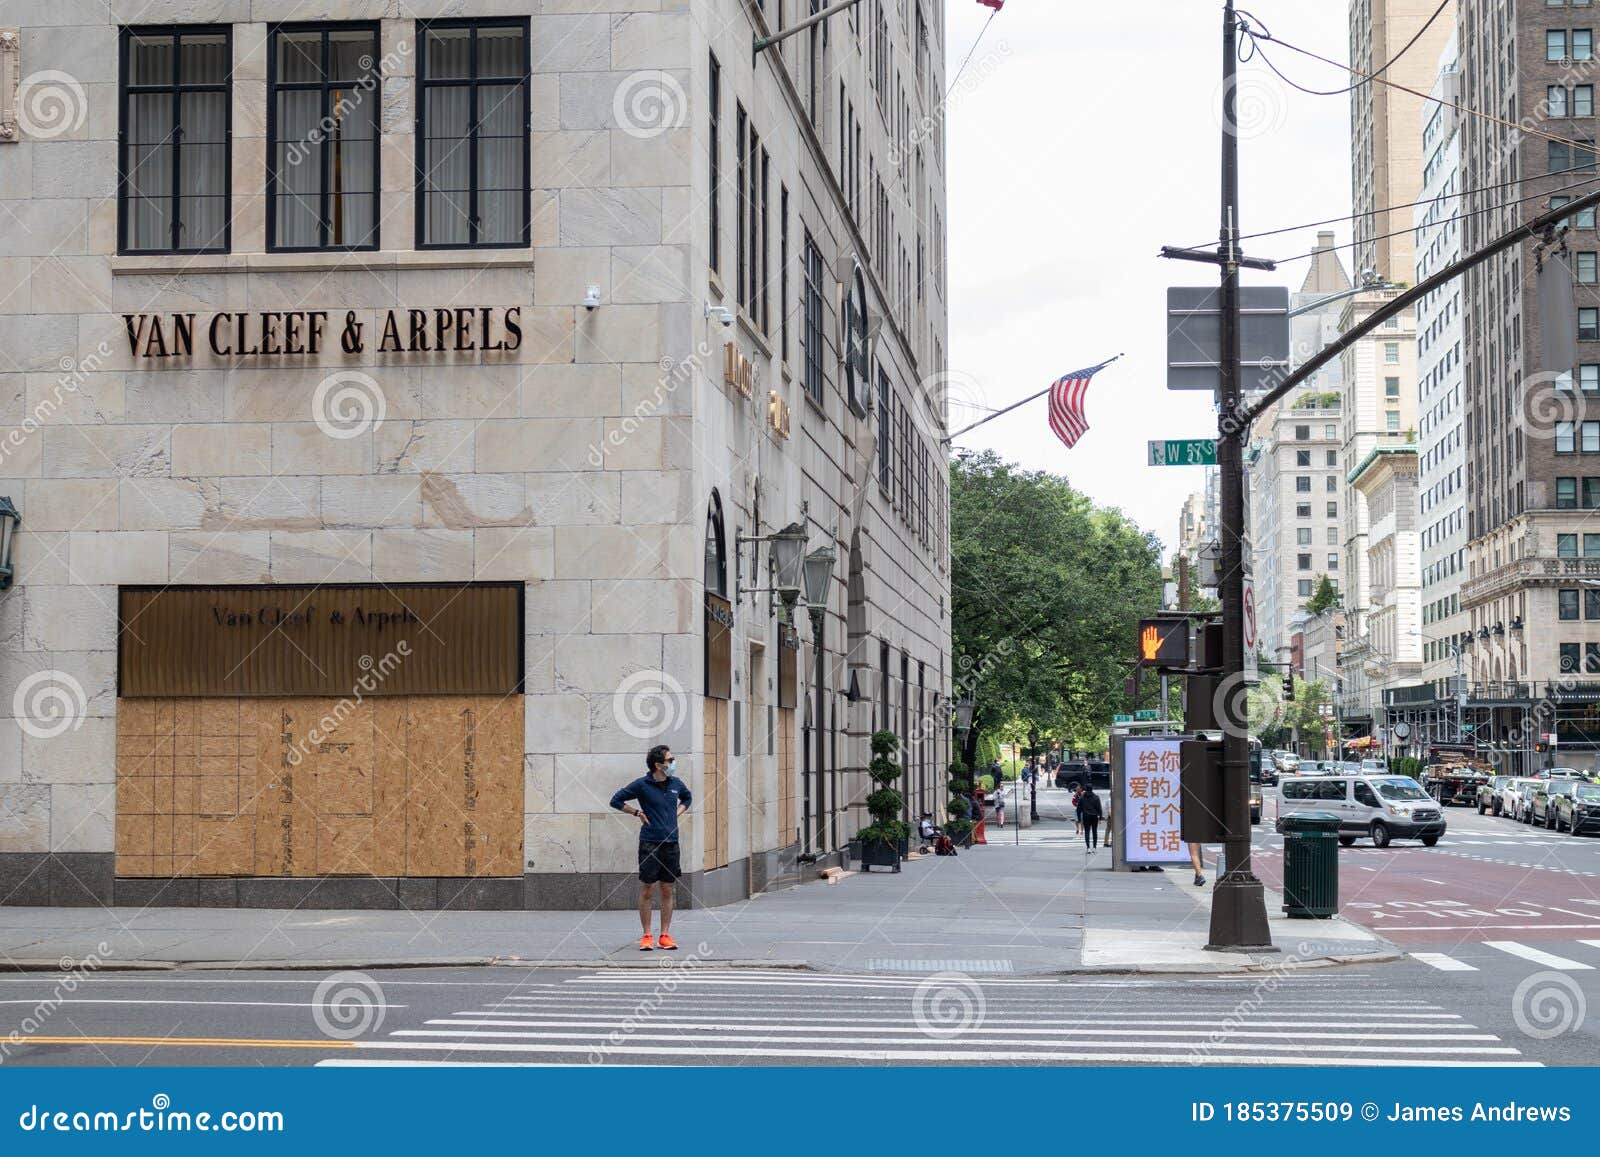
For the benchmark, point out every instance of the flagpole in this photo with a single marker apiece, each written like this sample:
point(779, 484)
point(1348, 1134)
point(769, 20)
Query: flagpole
point(945, 441)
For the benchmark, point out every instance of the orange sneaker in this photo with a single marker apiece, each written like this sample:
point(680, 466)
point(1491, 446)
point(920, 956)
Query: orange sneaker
point(647, 942)
point(668, 943)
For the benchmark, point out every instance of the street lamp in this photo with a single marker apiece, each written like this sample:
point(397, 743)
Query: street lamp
point(9, 521)
point(964, 708)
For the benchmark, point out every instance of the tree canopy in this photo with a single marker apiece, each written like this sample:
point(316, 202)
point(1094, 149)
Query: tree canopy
point(1323, 596)
point(1047, 590)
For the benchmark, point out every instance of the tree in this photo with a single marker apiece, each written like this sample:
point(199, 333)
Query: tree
point(1324, 596)
point(1305, 715)
point(1047, 590)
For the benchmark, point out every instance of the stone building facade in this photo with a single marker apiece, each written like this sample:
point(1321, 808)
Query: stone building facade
point(303, 323)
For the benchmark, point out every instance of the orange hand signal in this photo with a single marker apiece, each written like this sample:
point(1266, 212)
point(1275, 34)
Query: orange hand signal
point(1149, 643)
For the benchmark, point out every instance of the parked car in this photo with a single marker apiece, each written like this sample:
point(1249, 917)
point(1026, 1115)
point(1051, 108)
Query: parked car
point(1514, 797)
point(1256, 795)
point(1371, 766)
point(1071, 772)
point(1579, 810)
point(1542, 808)
point(1379, 807)
point(1491, 794)
point(1099, 774)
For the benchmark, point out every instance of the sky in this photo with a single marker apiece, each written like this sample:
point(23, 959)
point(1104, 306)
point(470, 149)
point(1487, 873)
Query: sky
point(1081, 139)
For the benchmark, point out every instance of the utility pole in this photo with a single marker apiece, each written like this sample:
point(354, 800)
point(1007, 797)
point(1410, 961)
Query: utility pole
point(1239, 906)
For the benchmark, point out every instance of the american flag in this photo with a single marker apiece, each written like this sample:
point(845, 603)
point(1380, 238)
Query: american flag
point(995, 4)
point(1066, 404)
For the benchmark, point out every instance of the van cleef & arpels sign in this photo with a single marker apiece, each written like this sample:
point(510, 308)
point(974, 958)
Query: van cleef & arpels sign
point(308, 332)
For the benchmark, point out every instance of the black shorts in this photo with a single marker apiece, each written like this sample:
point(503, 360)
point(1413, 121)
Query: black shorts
point(658, 863)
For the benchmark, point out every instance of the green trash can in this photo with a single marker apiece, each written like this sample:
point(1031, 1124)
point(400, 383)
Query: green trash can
point(1311, 865)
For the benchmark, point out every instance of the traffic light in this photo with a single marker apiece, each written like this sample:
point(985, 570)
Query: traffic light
point(1288, 687)
point(1164, 643)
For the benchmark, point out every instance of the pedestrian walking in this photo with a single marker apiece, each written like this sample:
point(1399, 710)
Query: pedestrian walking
point(1077, 809)
point(657, 798)
point(1000, 806)
point(1198, 859)
point(1091, 819)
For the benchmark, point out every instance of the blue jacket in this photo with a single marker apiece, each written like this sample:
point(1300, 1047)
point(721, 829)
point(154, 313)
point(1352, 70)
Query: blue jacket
point(659, 802)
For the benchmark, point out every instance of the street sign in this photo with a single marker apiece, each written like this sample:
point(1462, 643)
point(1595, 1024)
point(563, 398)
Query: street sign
point(1194, 337)
point(1122, 719)
point(1252, 665)
point(1184, 452)
point(1147, 713)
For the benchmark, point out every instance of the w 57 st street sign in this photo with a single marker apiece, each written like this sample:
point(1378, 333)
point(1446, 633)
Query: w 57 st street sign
point(1184, 452)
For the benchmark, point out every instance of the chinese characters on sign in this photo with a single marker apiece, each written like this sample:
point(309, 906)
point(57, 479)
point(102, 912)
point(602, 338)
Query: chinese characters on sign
point(1149, 807)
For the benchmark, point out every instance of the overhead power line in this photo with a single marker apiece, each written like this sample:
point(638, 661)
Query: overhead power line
point(1247, 20)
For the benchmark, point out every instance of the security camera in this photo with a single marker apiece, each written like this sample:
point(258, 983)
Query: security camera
point(591, 298)
point(722, 313)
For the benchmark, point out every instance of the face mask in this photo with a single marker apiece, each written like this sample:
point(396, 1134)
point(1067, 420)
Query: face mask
point(672, 766)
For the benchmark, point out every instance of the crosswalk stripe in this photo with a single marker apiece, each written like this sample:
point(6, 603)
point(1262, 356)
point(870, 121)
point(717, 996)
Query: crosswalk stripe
point(934, 1057)
point(1443, 963)
point(1547, 959)
point(1110, 1025)
point(1590, 943)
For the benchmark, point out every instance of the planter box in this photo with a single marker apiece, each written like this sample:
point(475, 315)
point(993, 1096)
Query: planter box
point(964, 840)
point(879, 854)
point(905, 846)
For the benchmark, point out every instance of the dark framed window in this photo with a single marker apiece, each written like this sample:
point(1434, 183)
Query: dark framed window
point(783, 273)
point(1589, 324)
point(813, 333)
point(1567, 605)
point(174, 170)
point(472, 134)
point(760, 231)
point(885, 431)
point(715, 207)
point(1570, 656)
point(1591, 657)
point(1591, 603)
point(324, 91)
point(1566, 493)
point(741, 177)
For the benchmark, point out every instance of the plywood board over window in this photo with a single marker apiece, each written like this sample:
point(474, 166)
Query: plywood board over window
point(412, 786)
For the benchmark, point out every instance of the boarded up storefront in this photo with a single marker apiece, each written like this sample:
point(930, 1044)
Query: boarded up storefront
point(320, 731)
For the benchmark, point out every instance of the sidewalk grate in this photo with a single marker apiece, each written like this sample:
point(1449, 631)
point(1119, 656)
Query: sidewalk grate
point(938, 966)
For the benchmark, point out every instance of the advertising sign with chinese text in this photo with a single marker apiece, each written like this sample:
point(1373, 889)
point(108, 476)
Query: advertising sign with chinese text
point(1149, 808)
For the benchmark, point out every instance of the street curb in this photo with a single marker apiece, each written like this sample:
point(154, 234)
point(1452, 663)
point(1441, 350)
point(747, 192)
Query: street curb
point(1263, 965)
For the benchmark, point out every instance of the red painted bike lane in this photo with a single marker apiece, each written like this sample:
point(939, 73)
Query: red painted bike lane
point(1417, 895)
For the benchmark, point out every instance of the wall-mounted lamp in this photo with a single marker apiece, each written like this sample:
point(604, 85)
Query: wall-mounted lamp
point(785, 549)
point(9, 521)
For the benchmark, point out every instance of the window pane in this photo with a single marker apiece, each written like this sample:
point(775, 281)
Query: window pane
point(1591, 603)
point(298, 159)
point(1569, 656)
point(299, 57)
point(1555, 44)
point(1583, 100)
point(1556, 96)
point(150, 60)
point(500, 216)
point(1567, 605)
point(1591, 437)
point(1566, 493)
point(1591, 546)
point(449, 53)
point(500, 52)
point(1566, 546)
point(203, 59)
point(1582, 44)
point(352, 54)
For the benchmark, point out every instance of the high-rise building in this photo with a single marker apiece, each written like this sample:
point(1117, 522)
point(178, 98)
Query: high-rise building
point(1441, 472)
point(412, 413)
point(1531, 432)
point(1192, 528)
point(1385, 124)
point(1380, 411)
point(1293, 522)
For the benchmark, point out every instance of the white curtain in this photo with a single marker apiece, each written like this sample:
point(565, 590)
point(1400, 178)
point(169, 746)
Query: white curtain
point(299, 166)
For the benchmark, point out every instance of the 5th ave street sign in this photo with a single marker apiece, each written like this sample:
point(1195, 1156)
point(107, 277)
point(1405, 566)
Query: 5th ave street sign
point(1184, 452)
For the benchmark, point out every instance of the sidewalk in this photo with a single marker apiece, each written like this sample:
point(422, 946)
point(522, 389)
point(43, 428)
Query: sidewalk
point(1042, 907)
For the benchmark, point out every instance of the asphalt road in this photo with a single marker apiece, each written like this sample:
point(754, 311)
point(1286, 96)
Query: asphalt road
point(1502, 924)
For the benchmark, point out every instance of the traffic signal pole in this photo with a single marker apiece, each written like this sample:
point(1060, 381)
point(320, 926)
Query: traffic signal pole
point(1239, 906)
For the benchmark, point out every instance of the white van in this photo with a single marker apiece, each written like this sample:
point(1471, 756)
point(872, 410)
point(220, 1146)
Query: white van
point(1380, 807)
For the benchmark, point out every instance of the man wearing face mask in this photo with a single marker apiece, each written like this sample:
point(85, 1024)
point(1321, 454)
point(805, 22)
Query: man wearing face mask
point(658, 799)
